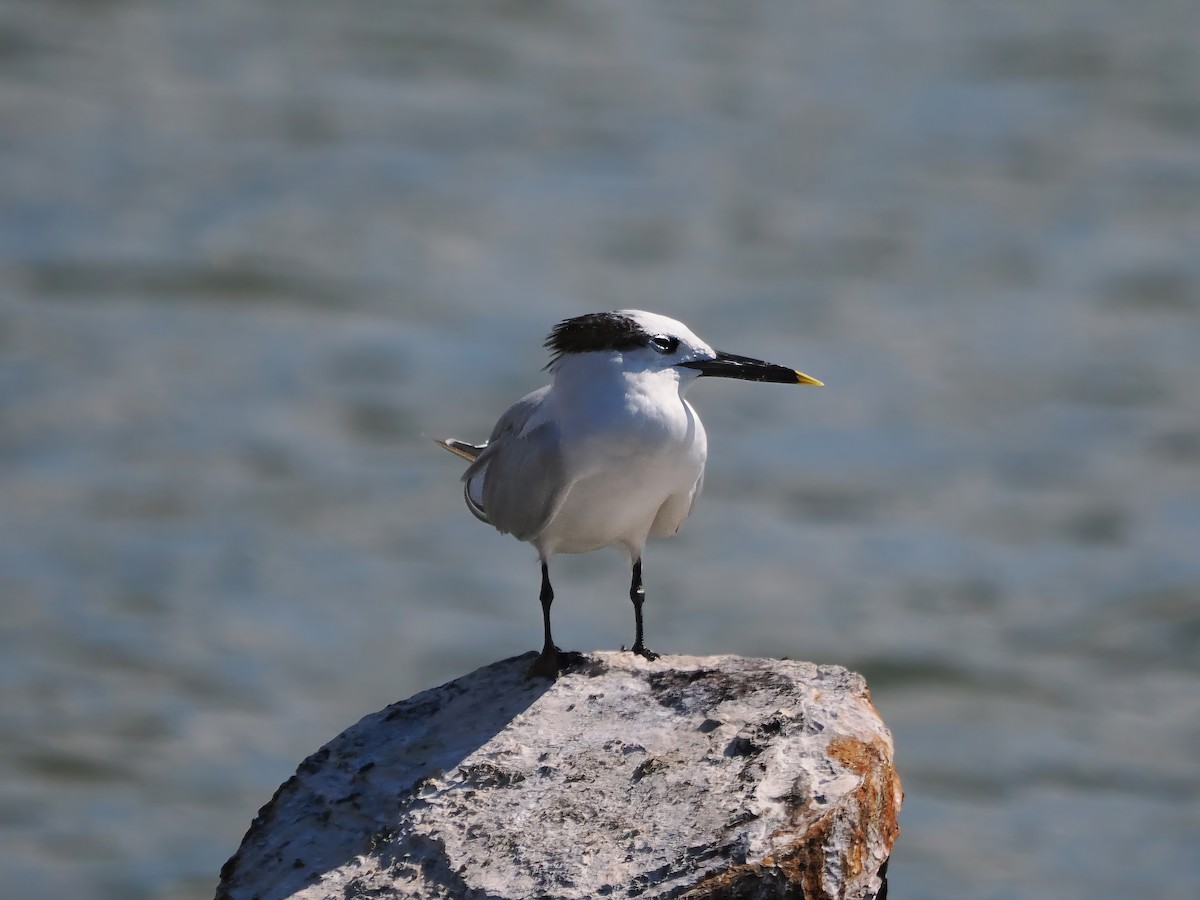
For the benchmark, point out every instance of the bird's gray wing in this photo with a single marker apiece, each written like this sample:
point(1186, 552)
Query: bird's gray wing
point(517, 484)
point(696, 494)
point(671, 515)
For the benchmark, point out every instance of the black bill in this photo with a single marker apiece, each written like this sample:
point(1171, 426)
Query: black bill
point(730, 365)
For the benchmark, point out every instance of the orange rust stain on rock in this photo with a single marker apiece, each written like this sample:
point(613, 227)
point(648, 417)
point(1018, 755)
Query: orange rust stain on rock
point(857, 756)
point(869, 811)
point(877, 797)
point(799, 866)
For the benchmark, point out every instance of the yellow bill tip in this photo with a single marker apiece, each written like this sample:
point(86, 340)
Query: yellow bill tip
point(801, 378)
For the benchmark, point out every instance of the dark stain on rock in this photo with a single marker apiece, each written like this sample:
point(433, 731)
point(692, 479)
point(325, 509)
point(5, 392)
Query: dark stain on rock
point(488, 775)
point(648, 767)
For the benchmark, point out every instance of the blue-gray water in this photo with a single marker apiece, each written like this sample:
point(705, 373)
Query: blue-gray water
point(253, 256)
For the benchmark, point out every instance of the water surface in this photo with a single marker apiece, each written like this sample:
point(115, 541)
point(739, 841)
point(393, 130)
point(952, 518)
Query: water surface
point(254, 256)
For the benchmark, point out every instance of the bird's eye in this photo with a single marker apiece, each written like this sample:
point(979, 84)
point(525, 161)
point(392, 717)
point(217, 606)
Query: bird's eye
point(664, 343)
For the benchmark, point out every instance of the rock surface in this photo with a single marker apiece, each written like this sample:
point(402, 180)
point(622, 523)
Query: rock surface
point(697, 777)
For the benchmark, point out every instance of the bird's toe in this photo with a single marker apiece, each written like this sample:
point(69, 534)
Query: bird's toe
point(546, 665)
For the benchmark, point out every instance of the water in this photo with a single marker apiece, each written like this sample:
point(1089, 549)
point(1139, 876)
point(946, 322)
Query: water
point(253, 256)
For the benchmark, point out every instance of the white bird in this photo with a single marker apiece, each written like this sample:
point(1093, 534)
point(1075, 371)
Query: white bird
point(609, 452)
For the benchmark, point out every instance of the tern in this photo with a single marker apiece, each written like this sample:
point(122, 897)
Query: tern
point(609, 453)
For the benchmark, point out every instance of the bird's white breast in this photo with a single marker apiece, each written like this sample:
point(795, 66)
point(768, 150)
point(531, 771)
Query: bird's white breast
point(632, 450)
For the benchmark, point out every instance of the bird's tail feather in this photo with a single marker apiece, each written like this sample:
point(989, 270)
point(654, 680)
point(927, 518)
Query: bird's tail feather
point(469, 452)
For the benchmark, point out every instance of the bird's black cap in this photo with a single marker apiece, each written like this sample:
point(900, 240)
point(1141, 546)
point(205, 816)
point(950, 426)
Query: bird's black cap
point(594, 331)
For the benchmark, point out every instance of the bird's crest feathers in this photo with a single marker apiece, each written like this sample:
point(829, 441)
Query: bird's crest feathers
point(594, 331)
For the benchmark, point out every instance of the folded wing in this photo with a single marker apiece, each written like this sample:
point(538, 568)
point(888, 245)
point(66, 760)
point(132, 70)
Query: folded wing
point(516, 482)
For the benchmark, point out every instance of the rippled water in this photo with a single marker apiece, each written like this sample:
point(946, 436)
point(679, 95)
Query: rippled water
point(253, 256)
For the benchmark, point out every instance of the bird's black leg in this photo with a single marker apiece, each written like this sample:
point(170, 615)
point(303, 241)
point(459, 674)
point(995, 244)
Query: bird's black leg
point(637, 594)
point(547, 663)
point(546, 598)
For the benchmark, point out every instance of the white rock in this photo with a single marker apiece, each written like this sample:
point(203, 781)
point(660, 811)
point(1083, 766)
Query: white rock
point(685, 777)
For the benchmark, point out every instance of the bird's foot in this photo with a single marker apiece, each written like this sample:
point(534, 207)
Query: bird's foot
point(548, 664)
point(552, 663)
point(640, 649)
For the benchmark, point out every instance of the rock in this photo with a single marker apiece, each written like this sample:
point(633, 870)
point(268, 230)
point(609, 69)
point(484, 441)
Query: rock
point(696, 777)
